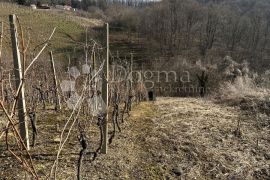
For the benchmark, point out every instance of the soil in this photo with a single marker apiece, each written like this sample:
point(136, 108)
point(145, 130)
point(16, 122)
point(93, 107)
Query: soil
point(171, 138)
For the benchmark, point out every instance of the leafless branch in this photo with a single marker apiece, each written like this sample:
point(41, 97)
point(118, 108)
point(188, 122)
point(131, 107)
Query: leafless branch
point(42, 49)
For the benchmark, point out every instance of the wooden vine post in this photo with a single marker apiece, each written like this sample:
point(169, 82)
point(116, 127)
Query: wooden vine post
point(19, 77)
point(131, 69)
point(1, 66)
point(1, 40)
point(56, 92)
point(105, 96)
point(94, 60)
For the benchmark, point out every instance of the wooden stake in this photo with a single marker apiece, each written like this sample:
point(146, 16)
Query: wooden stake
point(56, 95)
point(1, 41)
point(19, 77)
point(94, 60)
point(104, 146)
point(2, 84)
point(131, 69)
point(1, 66)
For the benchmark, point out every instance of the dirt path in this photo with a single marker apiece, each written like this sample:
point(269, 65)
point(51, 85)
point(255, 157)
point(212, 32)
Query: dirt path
point(186, 138)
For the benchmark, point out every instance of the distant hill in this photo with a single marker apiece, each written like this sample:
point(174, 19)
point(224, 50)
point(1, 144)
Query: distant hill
point(38, 24)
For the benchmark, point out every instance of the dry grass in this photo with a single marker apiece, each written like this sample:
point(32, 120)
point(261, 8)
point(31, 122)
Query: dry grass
point(172, 138)
point(123, 156)
point(202, 135)
point(241, 87)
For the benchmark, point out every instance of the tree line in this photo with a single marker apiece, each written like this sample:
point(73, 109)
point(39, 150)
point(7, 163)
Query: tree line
point(85, 4)
point(208, 29)
point(204, 29)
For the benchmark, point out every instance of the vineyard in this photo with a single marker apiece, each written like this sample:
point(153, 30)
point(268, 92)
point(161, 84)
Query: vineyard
point(88, 96)
point(80, 103)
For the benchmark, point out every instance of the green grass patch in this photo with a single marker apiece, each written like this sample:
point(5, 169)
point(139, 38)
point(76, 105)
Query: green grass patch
point(38, 25)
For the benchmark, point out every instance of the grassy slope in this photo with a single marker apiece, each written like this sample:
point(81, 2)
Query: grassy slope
point(173, 138)
point(122, 159)
point(40, 23)
point(203, 135)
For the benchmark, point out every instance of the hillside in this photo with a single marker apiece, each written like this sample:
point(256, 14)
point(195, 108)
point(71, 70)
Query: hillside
point(38, 25)
point(173, 138)
point(176, 95)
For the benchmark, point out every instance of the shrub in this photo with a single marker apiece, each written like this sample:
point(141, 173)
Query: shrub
point(238, 82)
point(242, 86)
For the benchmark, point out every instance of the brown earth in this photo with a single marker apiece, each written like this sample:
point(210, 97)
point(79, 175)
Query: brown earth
point(172, 138)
